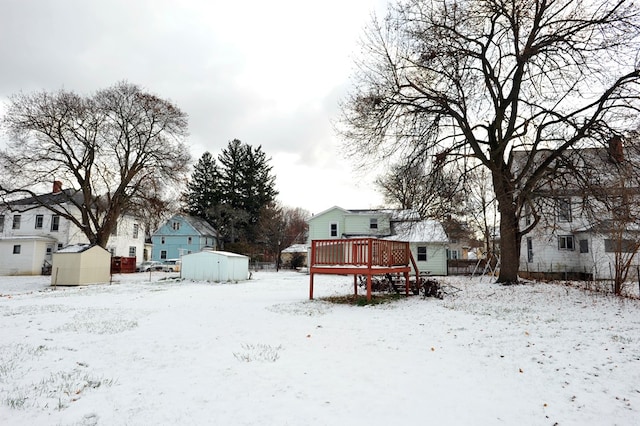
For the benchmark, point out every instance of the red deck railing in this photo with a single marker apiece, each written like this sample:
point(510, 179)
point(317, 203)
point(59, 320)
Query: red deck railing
point(359, 252)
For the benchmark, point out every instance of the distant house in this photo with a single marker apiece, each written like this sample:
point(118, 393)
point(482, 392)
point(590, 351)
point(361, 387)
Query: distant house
point(30, 233)
point(428, 243)
point(294, 253)
point(427, 239)
point(183, 234)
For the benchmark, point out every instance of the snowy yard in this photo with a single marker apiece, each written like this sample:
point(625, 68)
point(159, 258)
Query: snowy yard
point(143, 351)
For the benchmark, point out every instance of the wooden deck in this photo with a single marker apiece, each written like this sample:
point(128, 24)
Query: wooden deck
point(361, 256)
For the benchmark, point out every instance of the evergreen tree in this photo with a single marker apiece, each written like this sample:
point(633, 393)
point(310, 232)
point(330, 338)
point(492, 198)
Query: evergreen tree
point(203, 190)
point(247, 185)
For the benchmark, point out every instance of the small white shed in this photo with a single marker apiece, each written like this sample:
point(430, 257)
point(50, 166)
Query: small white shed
point(217, 266)
point(81, 264)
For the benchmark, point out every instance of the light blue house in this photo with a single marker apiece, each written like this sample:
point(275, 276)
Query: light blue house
point(183, 234)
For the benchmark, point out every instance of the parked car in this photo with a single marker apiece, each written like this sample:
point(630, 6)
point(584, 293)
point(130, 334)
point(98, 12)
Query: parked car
point(172, 265)
point(150, 265)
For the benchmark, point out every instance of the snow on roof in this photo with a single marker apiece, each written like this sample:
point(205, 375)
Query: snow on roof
point(223, 253)
point(426, 231)
point(296, 248)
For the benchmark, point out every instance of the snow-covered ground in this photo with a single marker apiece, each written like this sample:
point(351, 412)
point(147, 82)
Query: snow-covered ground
point(146, 351)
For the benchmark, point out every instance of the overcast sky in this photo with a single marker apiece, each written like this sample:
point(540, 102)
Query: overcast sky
point(268, 73)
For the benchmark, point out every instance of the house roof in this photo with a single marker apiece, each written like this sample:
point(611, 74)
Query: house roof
point(199, 225)
point(394, 214)
point(426, 231)
point(52, 198)
point(296, 248)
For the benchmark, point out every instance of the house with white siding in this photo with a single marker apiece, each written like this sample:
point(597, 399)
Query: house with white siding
point(30, 233)
point(583, 225)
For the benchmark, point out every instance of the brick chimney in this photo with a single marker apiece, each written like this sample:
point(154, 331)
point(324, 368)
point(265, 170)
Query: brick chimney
point(57, 186)
point(616, 152)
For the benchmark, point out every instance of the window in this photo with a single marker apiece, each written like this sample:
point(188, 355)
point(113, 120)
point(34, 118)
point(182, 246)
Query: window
point(59, 246)
point(422, 253)
point(162, 240)
point(373, 223)
point(16, 249)
point(452, 254)
point(55, 222)
point(584, 246)
point(16, 221)
point(2, 223)
point(565, 242)
point(132, 251)
point(620, 246)
point(135, 230)
point(527, 214)
point(529, 250)
point(334, 229)
point(163, 254)
point(189, 240)
point(563, 208)
point(175, 226)
point(39, 221)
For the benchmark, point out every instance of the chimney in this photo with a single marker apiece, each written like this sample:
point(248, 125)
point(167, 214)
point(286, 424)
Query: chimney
point(615, 149)
point(57, 186)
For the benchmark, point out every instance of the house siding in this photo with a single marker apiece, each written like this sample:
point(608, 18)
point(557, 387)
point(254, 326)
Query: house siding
point(176, 239)
point(45, 238)
point(320, 225)
point(360, 224)
point(436, 263)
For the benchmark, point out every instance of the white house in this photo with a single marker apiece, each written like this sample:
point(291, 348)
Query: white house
point(216, 266)
point(30, 233)
point(575, 237)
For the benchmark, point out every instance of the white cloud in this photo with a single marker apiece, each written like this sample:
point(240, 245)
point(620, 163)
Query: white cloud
point(267, 73)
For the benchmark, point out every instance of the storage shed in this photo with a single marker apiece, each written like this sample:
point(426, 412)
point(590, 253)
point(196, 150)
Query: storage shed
point(217, 266)
point(81, 264)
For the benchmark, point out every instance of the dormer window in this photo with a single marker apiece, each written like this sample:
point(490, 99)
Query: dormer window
point(175, 226)
point(373, 223)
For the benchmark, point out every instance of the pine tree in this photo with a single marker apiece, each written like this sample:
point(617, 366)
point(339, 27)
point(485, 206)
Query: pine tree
point(204, 190)
point(247, 185)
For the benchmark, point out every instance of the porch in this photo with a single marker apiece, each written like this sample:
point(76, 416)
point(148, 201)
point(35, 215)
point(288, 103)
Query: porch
point(361, 256)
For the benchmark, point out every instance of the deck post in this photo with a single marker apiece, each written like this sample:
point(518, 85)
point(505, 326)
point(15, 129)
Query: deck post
point(369, 287)
point(355, 285)
point(406, 283)
point(311, 286)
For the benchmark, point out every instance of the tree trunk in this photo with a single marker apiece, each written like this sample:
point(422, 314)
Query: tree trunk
point(509, 230)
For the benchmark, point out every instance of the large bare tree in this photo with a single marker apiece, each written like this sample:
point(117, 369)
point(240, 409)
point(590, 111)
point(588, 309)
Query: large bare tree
point(111, 151)
point(477, 80)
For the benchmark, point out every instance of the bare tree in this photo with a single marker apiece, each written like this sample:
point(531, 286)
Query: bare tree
point(111, 151)
point(434, 194)
point(482, 79)
point(282, 226)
